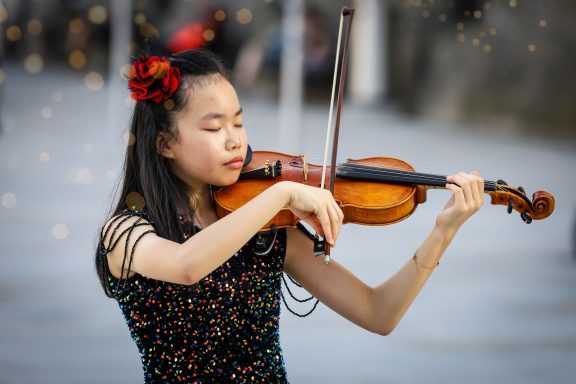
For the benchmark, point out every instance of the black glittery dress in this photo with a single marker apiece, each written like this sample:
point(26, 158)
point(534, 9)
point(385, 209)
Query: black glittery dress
point(224, 329)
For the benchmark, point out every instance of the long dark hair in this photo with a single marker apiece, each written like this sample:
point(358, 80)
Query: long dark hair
point(146, 174)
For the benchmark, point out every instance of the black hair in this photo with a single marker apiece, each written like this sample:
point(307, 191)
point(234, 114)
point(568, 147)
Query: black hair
point(147, 175)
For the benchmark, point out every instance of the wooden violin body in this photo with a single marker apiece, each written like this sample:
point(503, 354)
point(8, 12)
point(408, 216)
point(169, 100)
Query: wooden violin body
point(370, 191)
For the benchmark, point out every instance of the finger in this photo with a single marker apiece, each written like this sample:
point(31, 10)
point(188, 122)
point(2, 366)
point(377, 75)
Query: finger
point(464, 186)
point(335, 219)
point(477, 188)
point(457, 195)
point(472, 185)
point(480, 186)
point(325, 222)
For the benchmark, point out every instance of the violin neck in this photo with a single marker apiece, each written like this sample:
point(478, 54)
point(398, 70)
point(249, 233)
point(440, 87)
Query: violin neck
point(397, 176)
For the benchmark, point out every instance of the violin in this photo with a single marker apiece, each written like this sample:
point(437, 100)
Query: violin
point(370, 191)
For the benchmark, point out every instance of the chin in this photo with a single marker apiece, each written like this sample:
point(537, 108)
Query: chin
point(226, 182)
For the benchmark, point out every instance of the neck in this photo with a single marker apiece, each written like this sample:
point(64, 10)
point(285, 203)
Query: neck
point(202, 203)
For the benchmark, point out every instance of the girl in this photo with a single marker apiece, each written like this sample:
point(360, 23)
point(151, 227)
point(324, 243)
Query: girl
point(200, 297)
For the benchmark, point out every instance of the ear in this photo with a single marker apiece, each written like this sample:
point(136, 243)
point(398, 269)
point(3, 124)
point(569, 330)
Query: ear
point(163, 145)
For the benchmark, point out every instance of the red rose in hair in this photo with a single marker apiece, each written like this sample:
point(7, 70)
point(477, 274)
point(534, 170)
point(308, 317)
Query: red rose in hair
point(153, 78)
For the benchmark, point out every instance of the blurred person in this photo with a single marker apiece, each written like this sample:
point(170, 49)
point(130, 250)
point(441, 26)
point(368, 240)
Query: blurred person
point(261, 55)
point(201, 294)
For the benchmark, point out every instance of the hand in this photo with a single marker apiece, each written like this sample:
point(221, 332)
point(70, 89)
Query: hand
point(467, 198)
point(318, 208)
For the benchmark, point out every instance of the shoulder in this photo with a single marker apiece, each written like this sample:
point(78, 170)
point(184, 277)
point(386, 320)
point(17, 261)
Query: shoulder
point(123, 223)
point(120, 235)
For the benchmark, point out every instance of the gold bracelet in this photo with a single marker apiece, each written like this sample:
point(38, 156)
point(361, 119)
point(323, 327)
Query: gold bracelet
point(415, 259)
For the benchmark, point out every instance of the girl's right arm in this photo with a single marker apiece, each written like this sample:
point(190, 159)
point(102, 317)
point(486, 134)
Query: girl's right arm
point(187, 263)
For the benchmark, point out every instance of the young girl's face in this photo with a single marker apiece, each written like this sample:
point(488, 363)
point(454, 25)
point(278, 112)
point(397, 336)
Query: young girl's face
point(212, 143)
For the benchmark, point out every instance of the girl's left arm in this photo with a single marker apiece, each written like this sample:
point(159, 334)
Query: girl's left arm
point(379, 309)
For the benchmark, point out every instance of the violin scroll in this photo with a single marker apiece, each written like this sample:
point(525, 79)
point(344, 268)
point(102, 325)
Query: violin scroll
point(540, 207)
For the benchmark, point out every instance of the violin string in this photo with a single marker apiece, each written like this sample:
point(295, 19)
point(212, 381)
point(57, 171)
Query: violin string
point(391, 172)
point(408, 176)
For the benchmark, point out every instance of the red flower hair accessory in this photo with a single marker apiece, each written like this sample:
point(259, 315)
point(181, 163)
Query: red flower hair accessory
point(153, 78)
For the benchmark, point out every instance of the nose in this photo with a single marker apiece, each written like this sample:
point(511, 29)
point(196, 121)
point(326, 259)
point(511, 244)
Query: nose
point(233, 141)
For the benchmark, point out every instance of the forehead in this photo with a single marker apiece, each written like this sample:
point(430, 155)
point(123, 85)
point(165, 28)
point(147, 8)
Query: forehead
point(212, 94)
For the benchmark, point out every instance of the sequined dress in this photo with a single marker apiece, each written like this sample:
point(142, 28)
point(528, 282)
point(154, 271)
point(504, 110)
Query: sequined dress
point(224, 329)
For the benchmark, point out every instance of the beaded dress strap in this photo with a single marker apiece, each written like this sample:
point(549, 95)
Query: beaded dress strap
point(115, 237)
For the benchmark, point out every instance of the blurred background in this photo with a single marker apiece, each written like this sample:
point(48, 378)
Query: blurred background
point(446, 85)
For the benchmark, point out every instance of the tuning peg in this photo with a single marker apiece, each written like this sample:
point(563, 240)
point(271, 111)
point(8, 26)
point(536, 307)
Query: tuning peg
point(526, 217)
point(510, 205)
point(522, 190)
point(501, 182)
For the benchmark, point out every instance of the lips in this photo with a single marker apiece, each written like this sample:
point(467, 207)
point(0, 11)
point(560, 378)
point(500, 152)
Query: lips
point(236, 163)
point(235, 160)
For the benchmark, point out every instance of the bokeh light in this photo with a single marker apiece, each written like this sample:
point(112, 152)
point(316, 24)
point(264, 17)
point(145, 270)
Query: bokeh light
point(13, 33)
point(98, 14)
point(46, 113)
point(219, 15)
point(87, 147)
point(94, 81)
point(169, 104)
point(125, 71)
point(60, 231)
point(129, 139)
point(83, 176)
point(3, 13)
point(148, 30)
point(9, 200)
point(208, 35)
point(76, 26)
point(135, 201)
point(57, 96)
point(44, 157)
point(244, 16)
point(34, 27)
point(33, 63)
point(77, 59)
point(140, 18)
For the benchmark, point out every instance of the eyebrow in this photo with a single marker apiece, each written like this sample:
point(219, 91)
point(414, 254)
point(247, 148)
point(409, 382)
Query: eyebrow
point(216, 115)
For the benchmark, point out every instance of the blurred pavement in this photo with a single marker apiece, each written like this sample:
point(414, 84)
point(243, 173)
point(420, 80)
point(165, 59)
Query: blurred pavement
point(501, 308)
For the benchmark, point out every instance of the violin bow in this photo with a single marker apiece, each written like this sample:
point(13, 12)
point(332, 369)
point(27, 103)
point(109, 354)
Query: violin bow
point(320, 246)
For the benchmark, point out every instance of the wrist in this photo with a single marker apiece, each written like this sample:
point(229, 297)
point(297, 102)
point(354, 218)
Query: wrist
point(285, 190)
point(444, 233)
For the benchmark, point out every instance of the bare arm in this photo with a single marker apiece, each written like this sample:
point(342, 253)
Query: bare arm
point(187, 263)
point(379, 309)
